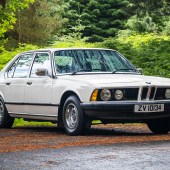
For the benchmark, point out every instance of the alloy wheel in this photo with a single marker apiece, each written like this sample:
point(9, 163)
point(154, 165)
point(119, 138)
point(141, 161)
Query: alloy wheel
point(71, 116)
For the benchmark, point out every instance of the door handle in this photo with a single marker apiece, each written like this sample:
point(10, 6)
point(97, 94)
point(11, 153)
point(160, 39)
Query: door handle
point(29, 82)
point(8, 83)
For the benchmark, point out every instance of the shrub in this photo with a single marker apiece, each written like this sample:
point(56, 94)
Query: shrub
point(75, 43)
point(6, 56)
point(150, 52)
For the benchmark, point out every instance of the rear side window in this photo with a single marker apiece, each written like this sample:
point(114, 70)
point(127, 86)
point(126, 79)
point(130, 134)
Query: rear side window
point(20, 67)
point(10, 72)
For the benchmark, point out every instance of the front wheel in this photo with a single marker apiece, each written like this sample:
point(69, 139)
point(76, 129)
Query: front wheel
point(75, 122)
point(5, 120)
point(159, 126)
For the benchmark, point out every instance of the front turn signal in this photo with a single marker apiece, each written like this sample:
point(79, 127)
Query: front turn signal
point(94, 95)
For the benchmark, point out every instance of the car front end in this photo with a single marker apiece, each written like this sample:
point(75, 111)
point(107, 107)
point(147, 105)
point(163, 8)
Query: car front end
point(125, 102)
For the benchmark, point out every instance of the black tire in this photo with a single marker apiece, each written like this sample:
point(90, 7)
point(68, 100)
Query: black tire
point(75, 122)
point(5, 120)
point(159, 126)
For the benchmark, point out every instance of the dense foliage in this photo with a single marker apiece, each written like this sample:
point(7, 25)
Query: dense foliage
point(139, 29)
point(39, 22)
point(6, 56)
point(8, 11)
point(44, 21)
point(101, 19)
point(149, 16)
point(150, 52)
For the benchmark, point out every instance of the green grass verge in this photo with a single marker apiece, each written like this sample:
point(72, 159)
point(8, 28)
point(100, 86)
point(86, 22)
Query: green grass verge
point(21, 122)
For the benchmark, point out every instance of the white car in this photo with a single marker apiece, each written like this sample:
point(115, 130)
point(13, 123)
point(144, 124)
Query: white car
point(73, 87)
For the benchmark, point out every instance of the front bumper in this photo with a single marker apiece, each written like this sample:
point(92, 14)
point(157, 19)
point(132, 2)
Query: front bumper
point(121, 110)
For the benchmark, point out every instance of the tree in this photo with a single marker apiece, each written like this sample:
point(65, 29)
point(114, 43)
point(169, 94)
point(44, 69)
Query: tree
point(150, 7)
point(148, 16)
point(8, 10)
point(101, 18)
point(39, 22)
point(3, 3)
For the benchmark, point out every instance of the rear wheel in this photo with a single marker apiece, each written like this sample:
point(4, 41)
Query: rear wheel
point(159, 126)
point(75, 122)
point(5, 120)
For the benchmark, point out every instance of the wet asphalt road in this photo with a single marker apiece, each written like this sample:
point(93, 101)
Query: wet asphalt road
point(131, 156)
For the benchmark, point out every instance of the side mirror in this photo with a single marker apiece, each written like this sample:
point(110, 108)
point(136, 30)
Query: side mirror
point(41, 72)
point(139, 70)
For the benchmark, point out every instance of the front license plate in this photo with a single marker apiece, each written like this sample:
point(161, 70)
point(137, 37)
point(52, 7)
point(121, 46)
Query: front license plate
point(149, 108)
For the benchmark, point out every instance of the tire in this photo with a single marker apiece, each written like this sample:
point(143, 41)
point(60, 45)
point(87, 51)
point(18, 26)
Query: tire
point(5, 120)
point(75, 122)
point(159, 126)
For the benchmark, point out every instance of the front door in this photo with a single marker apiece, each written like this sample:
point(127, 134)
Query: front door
point(38, 90)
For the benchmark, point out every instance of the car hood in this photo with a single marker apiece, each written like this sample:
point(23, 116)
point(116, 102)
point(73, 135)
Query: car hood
point(111, 80)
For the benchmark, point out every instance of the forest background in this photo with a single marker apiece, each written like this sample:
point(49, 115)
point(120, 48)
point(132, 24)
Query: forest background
point(139, 29)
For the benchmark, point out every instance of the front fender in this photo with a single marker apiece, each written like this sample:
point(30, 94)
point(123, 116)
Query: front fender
point(82, 90)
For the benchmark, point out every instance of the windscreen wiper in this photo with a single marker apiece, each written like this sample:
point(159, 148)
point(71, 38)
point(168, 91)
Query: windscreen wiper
point(122, 69)
point(82, 70)
point(88, 70)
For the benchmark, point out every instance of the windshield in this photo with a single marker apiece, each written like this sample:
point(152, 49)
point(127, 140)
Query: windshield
point(91, 60)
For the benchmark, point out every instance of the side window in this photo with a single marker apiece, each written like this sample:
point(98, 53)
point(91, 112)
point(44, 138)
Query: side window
point(11, 70)
point(42, 60)
point(23, 66)
point(20, 67)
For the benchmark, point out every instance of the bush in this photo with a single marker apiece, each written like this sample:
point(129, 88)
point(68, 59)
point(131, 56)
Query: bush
point(6, 56)
point(21, 122)
point(150, 52)
point(74, 44)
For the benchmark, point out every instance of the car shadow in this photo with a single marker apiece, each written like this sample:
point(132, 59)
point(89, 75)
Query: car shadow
point(94, 131)
point(117, 132)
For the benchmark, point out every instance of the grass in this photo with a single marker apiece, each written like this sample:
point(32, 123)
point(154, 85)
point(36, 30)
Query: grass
point(21, 122)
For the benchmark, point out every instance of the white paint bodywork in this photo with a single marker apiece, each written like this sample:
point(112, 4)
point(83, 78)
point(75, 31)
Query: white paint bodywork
point(84, 85)
point(47, 92)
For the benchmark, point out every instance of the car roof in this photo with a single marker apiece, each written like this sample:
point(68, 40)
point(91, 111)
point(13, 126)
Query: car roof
point(58, 49)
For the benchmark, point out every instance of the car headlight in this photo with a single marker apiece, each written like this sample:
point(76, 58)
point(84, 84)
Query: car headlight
point(167, 93)
point(118, 94)
point(105, 94)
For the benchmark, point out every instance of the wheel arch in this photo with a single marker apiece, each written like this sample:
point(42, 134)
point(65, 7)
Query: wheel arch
point(1, 95)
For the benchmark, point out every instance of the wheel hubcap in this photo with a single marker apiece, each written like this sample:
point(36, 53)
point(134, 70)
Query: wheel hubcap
point(71, 116)
point(1, 111)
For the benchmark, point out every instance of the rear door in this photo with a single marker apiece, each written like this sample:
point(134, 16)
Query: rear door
point(16, 77)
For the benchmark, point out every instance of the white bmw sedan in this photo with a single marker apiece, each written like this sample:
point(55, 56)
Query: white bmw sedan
point(73, 87)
